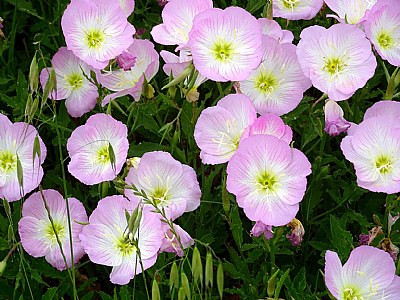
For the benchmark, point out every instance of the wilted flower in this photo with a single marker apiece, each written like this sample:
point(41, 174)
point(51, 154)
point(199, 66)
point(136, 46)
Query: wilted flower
point(272, 29)
point(383, 29)
point(268, 178)
point(338, 60)
point(98, 149)
point(350, 11)
point(218, 129)
point(296, 9)
point(178, 20)
point(297, 232)
point(130, 82)
point(126, 60)
point(335, 123)
point(72, 83)
point(109, 241)
point(278, 83)
point(172, 243)
point(260, 228)
point(369, 273)
point(390, 248)
point(374, 149)
point(391, 221)
point(225, 44)
point(133, 162)
point(167, 184)
point(269, 124)
point(96, 30)
point(39, 235)
point(17, 144)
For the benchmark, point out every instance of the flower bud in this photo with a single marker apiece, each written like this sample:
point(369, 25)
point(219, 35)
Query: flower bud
point(335, 124)
point(260, 228)
point(126, 60)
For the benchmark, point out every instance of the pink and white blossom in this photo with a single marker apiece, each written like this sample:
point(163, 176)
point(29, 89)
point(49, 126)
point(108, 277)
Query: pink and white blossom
point(178, 18)
point(16, 144)
point(130, 82)
point(374, 149)
point(278, 83)
point(369, 273)
point(168, 184)
point(98, 149)
point(225, 44)
point(96, 30)
point(109, 241)
point(219, 129)
point(39, 235)
point(72, 83)
point(268, 178)
point(128, 6)
point(383, 108)
point(335, 123)
point(296, 9)
point(383, 29)
point(338, 60)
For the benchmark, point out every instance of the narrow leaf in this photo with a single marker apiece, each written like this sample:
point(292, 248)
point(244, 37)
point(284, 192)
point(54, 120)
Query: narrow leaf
point(220, 279)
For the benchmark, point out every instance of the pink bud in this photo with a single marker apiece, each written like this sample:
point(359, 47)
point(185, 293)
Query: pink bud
point(335, 124)
point(126, 60)
point(260, 228)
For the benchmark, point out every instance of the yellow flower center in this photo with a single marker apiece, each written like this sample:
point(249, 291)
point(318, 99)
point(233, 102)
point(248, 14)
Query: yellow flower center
point(383, 164)
point(351, 294)
point(267, 182)
point(94, 38)
point(290, 3)
point(75, 81)
point(8, 162)
point(266, 83)
point(223, 51)
point(125, 246)
point(385, 40)
point(103, 156)
point(160, 195)
point(51, 232)
point(334, 66)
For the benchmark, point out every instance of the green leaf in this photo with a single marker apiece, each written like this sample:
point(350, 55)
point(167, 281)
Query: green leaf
point(185, 285)
point(220, 279)
point(20, 173)
point(34, 75)
point(49, 295)
point(236, 227)
point(341, 239)
point(209, 272)
point(174, 277)
point(155, 291)
point(25, 6)
point(197, 266)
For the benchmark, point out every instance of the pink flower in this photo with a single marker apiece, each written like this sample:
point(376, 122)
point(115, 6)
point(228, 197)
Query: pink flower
point(130, 82)
point(369, 273)
point(167, 183)
point(218, 129)
point(39, 237)
point(272, 29)
point(17, 143)
point(260, 228)
point(383, 30)
point(350, 11)
point(178, 18)
point(98, 149)
point(335, 123)
point(296, 9)
point(72, 83)
point(268, 178)
point(225, 44)
point(338, 60)
point(109, 241)
point(374, 149)
point(269, 124)
point(96, 30)
point(278, 83)
point(170, 242)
